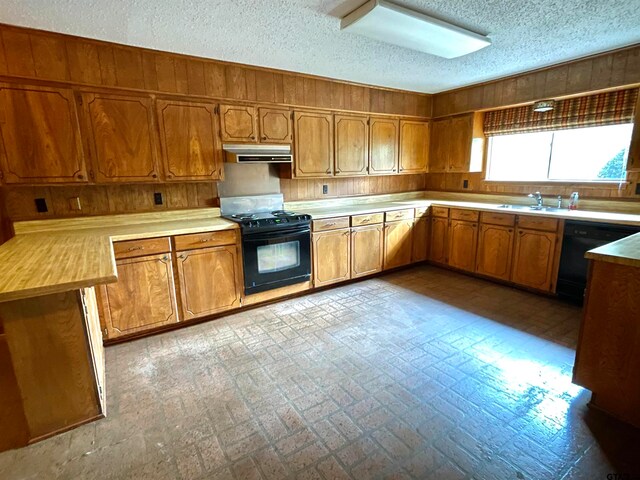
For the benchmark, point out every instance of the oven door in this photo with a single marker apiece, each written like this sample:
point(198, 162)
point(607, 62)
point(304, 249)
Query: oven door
point(276, 259)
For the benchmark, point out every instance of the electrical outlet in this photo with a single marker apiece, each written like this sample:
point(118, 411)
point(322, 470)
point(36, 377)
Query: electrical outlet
point(465, 184)
point(638, 188)
point(325, 189)
point(157, 198)
point(41, 205)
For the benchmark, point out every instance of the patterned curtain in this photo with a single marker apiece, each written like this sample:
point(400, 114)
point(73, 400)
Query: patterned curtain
point(601, 109)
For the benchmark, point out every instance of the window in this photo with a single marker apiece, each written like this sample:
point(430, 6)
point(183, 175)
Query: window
point(580, 154)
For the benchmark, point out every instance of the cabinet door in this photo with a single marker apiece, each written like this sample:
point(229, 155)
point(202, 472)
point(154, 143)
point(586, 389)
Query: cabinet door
point(420, 240)
point(495, 249)
point(384, 144)
point(633, 161)
point(352, 145)
point(142, 298)
point(366, 250)
point(414, 146)
point(398, 239)
point(533, 259)
point(439, 238)
point(313, 141)
point(438, 152)
point(238, 123)
point(209, 280)
point(189, 139)
point(463, 242)
point(121, 132)
point(459, 143)
point(275, 125)
point(331, 257)
point(40, 135)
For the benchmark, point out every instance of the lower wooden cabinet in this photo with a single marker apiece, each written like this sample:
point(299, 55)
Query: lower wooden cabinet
point(398, 238)
point(331, 256)
point(439, 239)
point(142, 298)
point(533, 259)
point(421, 234)
point(209, 280)
point(495, 249)
point(463, 240)
point(366, 250)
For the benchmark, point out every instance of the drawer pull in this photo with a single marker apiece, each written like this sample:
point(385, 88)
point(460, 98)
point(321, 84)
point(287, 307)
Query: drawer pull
point(205, 240)
point(365, 220)
point(347, 233)
point(132, 249)
point(329, 224)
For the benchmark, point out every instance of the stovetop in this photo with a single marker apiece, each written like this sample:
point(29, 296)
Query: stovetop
point(261, 221)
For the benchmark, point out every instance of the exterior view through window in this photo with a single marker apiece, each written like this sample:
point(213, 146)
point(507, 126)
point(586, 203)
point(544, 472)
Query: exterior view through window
point(582, 154)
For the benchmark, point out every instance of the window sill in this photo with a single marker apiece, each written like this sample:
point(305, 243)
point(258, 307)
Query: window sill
point(586, 183)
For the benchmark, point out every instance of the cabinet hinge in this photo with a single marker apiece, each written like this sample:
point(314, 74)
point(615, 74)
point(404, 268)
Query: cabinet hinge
point(240, 301)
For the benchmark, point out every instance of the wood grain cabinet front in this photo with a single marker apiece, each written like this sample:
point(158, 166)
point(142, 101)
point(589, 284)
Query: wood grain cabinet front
point(398, 238)
point(352, 145)
point(209, 280)
point(414, 146)
point(275, 125)
point(533, 259)
point(313, 144)
point(439, 240)
point(421, 237)
point(191, 148)
point(40, 136)
point(366, 250)
point(122, 136)
point(143, 297)
point(463, 240)
point(384, 143)
point(331, 257)
point(495, 249)
point(238, 123)
point(452, 140)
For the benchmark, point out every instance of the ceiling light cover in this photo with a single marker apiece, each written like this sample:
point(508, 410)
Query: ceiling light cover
point(390, 23)
point(543, 106)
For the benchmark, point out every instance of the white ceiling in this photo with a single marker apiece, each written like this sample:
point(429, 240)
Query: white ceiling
point(305, 36)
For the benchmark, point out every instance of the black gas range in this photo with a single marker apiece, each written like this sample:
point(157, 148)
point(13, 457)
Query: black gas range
point(276, 244)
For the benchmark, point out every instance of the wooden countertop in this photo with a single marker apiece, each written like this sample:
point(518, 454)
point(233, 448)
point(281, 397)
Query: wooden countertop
point(623, 252)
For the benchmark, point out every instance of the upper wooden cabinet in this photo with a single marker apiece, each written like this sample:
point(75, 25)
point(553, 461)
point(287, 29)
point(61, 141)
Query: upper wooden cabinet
point(313, 144)
point(463, 239)
point(121, 134)
point(384, 143)
point(275, 125)
point(533, 259)
point(414, 146)
point(40, 136)
point(189, 138)
point(238, 123)
point(366, 250)
point(633, 162)
point(331, 256)
point(398, 237)
point(351, 142)
point(452, 140)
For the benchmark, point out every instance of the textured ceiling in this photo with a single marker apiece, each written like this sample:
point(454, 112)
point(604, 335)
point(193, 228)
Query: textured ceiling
point(305, 36)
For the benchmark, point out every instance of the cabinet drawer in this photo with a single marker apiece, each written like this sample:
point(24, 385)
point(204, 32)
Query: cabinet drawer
point(440, 212)
point(138, 248)
point(330, 224)
point(468, 215)
point(357, 220)
point(398, 215)
point(538, 223)
point(498, 218)
point(421, 212)
point(203, 240)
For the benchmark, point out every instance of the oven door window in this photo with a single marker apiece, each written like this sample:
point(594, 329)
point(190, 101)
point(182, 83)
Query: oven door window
point(278, 257)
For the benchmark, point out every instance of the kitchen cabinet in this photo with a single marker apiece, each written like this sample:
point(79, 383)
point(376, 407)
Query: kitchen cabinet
point(452, 146)
point(633, 161)
point(275, 125)
point(439, 239)
point(462, 243)
point(238, 123)
point(398, 238)
point(331, 256)
point(121, 133)
point(533, 258)
point(384, 145)
point(366, 250)
point(189, 139)
point(40, 136)
point(313, 144)
point(414, 146)
point(209, 280)
point(420, 248)
point(495, 250)
point(143, 297)
point(351, 144)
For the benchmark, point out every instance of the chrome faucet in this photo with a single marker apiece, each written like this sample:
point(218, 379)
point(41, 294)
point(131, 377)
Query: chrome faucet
point(538, 197)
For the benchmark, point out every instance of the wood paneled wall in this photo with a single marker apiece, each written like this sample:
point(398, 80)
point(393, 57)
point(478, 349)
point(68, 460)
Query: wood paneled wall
point(38, 55)
point(598, 72)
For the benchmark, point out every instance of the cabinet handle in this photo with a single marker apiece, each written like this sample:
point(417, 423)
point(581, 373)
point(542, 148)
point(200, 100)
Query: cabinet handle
point(365, 220)
point(328, 170)
point(80, 176)
point(181, 256)
point(400, 169)
point(264, 137)
point(132, 249)
point(329, 224)
point(347, 233)
point(155, 175)
point(253, 137)
point(165, 258)
point(511, 230)
point(474, 225)
point(205, 240)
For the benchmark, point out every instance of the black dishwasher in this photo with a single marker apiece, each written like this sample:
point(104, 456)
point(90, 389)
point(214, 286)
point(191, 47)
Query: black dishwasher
point(579, 237)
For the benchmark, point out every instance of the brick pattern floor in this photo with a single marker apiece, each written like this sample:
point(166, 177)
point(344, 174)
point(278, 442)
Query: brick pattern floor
point(422, 373)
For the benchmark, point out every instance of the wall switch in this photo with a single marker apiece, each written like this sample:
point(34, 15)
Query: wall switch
point(465, 184)
point(75, 204)
point(325, 189)
point(157, 198)
point(41, 205)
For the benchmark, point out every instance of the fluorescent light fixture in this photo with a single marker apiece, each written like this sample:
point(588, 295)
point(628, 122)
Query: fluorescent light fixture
point(390, 23)
point(543, 106)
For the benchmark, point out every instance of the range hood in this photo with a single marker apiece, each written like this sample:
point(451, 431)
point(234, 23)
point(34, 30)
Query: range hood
point(257, 153)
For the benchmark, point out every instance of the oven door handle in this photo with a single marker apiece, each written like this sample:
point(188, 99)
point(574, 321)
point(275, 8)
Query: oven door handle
point(276, 234)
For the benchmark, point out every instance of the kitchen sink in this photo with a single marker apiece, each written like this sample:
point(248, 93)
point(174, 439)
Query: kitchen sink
point(531, 208)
